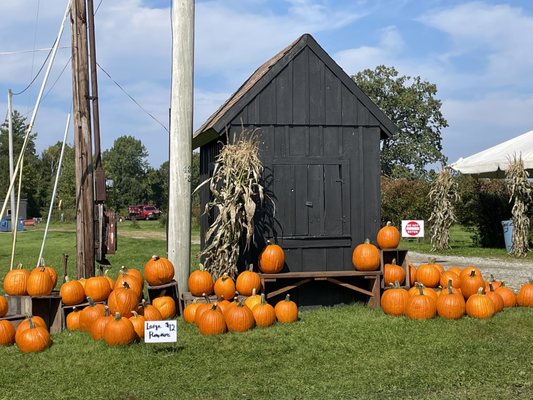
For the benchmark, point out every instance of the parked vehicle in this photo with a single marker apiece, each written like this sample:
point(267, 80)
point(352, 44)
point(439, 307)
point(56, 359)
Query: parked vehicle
point(143, 211)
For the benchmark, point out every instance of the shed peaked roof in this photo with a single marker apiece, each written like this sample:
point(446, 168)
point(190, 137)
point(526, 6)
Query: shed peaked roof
point(217, 122)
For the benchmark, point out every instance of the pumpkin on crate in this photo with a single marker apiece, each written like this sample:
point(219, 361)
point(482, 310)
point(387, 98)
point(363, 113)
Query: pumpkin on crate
point(365, 257)
point(16, 281)
point(71, 292)
point(212, 322)
point(33, 339)
point(123, 300)
point(388, 237)
point(264, 313)
point(239, 318)
point(97, 288)
point(271, 259)
point(158, 271)
point(200, 281)
point(524, 298)
point(39, 282)
point(225, 287)
point(119, 331)
point(479, 306)
point(7, 333)
point(450, 304)
point(50, 271)
point(135, 283)
point(4, 307)
point(166, 306)
point(392, 273)
point(429, 274)
point(421, 306)
point(247, 281)
point(286, 310)
point(394, 300)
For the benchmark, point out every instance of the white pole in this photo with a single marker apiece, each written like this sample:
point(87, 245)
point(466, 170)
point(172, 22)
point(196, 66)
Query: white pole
point(15, 217)
point(58, 174)
point(11, 156)
point(37, 103)
point(180, 147)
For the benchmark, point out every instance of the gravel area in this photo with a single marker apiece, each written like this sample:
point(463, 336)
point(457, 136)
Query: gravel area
point(513, 272)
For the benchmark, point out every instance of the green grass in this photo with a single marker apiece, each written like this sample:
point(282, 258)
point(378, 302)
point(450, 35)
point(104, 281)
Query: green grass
point(461, 245)
point(345, 352)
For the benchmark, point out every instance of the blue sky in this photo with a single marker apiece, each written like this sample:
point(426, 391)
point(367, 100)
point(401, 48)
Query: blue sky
point(478, 53)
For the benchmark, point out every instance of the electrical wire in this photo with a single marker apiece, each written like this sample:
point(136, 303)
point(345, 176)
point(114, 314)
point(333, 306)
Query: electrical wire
point(38, 72)
point(9, 53)
point(98, 6)
point(57, 79)
point(132, 99)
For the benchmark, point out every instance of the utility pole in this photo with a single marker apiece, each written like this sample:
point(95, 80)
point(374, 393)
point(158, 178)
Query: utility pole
point(82, 143)
point(10, 139)
point(180, 146)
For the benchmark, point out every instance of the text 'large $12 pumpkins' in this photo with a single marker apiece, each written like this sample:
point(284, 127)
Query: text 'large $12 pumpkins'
point(365, 257)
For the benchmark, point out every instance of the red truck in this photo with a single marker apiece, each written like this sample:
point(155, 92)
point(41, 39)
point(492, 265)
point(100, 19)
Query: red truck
point(143, 211)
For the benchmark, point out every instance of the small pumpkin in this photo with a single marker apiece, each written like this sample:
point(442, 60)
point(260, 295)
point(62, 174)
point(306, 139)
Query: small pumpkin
point(286, 310)
point(252, 300)
point(393, 273)
point(212, 322)
point(149, 311)
point(137, 321)
point(33, 339)
point(394, 300)
point(158, 271)
point(239, 318)
point(4, 307)
point(71, 292)
point(479, 306)
point(200, 281)
point(247, 281)
point(271, 259)
point(166, 306)
point(421, 306)
point(225, 287)
point(16, 281)
point(495, 297)
point(524, 298)
point(73, 319)
point(39, 282)
point(388, 237)
point(451, 305)
point(450, 277)
point(507, 294)
point(119, 331)
point(7, 333)
point(365, 257)
point(264, 313)
point(189, 312)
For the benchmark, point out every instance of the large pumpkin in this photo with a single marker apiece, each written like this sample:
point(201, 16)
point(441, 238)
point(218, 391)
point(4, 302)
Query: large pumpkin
point(428, 274)
point(26, 323)
point(34, 339)
point(271, 259)
point(286, 310)
point(90, 313)
point(388, 236)
point(393, 273)
point(239, 318)
point(421, 306)
point(225, 287)
point(16, 281)
point(39, 282)
point(158, 271)
point(123, 300)
point(200, 281)
point(365, 257)
point(247, 281)
point(394, 300)
point(450, 305)
point(71, 292)
point(119, 331)
point(479, 306)
point(212, 322)
point(524, 298)
point(470, 283)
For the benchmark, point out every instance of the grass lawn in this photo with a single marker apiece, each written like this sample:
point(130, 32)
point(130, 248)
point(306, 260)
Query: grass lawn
point(344, 352)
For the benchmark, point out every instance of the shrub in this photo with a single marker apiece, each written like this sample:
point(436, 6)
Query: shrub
point(404, 199)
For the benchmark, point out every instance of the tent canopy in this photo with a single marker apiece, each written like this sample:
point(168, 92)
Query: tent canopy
point(492, 162)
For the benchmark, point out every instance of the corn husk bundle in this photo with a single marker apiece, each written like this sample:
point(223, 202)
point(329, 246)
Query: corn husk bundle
point(443, 196)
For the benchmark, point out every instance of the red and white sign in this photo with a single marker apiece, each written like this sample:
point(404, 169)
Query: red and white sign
point(413, 228)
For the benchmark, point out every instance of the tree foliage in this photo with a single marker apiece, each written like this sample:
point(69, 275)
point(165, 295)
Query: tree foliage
point(411, 104)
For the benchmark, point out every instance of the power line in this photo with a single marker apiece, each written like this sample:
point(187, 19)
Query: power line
point(38, 72)
point(132, 99)
point(57, 79)
point(9, 53)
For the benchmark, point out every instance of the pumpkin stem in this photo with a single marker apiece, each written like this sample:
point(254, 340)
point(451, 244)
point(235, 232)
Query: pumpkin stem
point(106, 311)
point(126, 285)
point(155, 258)
point(263, 298)
point(450, 286)
point(135, 314)
point(117, 316)
point(393, 262)
point(32, 324)
point(288, 297)
point(367, 241)
point(90, 300)
point(251, 268)
point(206, 297)
point(481, 290)
point(420, 289)
point(389, 223)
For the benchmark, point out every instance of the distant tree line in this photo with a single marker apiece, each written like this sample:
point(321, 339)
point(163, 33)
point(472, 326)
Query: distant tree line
point(130, 178)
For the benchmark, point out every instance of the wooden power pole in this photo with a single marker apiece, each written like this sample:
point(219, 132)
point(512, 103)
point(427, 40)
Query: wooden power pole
point(82, 142)
point(180, 148)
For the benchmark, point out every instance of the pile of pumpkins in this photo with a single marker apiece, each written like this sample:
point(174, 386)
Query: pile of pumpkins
point(115, 312)
point(238, 306)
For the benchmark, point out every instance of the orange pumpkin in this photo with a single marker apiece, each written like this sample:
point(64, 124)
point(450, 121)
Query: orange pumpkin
point(421, 306)
point(166, 306)
point(365, 257)
point(212, 322)
point(394, 300)
point(271, 259)
point(33, 339)
point(388, 237)
point(393, 273)
point(138, 324)
point(428, 274)
point(98, 326)
point(286, 310)
point(90, 313)
point(264, 313)
point(189, 312)
point(471, 283)
point(524, 298)
point(7, 333)
point(239, 318)
point(71, 292)
point(450, 277)
point(451, 305)
point(247, 281)
point(200, 281)
point(119, 331)
point(123, 300)
point(16, 281)
point(158, 271)
point(73, 319)
point(508, 296)
point(496, 298)
point(97, 288)
point(479, 306)
point(3, 306)
point(149, 311)
point(39, 282)
point(225, 287)
point(25, 324)
point(50, 271)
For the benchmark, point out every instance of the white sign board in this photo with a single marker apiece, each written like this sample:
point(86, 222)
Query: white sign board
point(160, 331)
point(413, 228)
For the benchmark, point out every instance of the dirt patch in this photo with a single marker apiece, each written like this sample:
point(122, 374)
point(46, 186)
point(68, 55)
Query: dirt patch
point(513, 272)
point(156, 235)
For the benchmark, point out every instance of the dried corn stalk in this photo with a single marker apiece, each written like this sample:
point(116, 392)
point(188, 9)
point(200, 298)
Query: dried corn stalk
point(520, 191)
point(442, 196)
point(235, 190)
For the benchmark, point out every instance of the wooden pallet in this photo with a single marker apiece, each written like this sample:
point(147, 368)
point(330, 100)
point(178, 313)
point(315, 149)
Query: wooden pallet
point(46, 307)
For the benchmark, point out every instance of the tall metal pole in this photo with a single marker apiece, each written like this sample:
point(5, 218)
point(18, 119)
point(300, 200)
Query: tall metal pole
point(180, 147)
point(82, 143)
point(11, 156)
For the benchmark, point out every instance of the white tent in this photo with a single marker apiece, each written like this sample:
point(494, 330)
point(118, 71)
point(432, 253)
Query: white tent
point(492, 162)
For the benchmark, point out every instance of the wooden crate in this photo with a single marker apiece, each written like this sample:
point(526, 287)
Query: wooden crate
point(400, 256)
point(66, 310)
point(168, 289)
point(46, 307)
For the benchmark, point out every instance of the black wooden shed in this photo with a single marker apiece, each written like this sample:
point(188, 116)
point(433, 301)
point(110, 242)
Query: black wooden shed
point(320, 147)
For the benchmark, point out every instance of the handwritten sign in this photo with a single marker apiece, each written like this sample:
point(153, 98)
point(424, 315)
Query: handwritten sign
point(160, 331)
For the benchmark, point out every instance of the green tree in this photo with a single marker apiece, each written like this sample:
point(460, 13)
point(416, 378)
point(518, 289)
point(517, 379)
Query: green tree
point(411, 104)
point(126, 165)
point(30, 175)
